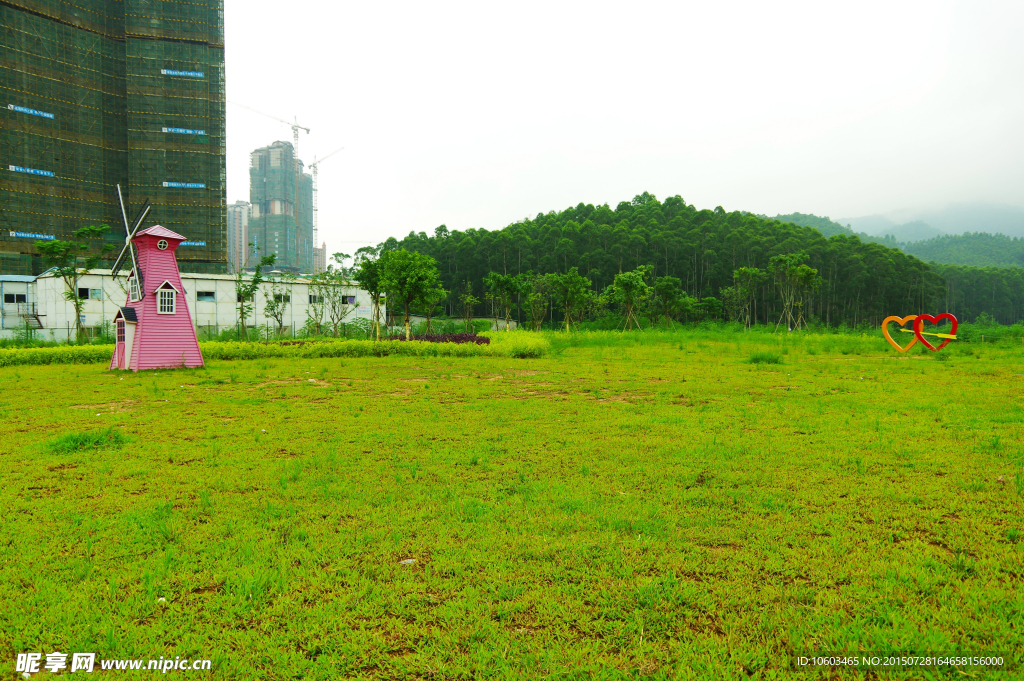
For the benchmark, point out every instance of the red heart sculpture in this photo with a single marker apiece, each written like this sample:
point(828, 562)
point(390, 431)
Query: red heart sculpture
point(922, 318)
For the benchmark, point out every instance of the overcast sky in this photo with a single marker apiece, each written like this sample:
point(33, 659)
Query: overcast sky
point(478, 114)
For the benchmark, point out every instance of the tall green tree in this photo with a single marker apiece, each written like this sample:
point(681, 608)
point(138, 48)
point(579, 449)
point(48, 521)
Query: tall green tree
point(746, 282)
point(368, 273)
point(504, 288)
point(407, 276)
point(469, 303)
point(72, 260)
point(572, 294)
point(537, 291)
point(795, 279)
point(428, 301)
point(631, 290)
point(246, 287)
point(668, 297)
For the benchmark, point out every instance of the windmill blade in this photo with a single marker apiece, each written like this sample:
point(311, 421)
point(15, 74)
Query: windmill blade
point(124, 214)
point(130, 230)
point(116, 267)
point(138, 219)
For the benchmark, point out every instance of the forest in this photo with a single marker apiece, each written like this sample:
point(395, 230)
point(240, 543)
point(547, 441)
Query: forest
point(977, 249)
point(855, 282)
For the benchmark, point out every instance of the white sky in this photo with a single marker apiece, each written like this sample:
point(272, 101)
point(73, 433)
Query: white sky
point(478, 114)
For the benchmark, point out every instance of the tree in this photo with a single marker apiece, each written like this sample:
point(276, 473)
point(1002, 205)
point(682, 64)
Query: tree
point(504, 288)
point(336, 290)
point(277, 300)
point(368, 275)
point(794, 280)
point(406, 276)
point(245, 290)
point(469, 301)
point(429, 301)
point(537, 290)
point(668, 295)
point(70, 260)
point(572, 293)
point(746, 281)
point(317, 308)
point(709, 308)
point(631, 290)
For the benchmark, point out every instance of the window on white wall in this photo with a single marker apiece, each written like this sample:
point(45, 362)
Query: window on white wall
point(166, 301)
point(207, 296)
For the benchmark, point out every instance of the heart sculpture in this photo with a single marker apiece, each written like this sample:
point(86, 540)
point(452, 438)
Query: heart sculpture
point(901, 321)
point(919, 323)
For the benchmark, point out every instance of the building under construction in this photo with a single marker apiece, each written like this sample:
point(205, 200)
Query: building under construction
point(281, 214)
point(98, 93)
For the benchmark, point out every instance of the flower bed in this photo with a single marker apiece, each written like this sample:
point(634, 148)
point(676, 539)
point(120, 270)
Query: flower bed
point(448, 338)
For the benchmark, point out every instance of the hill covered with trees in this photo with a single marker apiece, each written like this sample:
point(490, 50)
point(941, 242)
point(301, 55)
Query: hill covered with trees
point(973, 248)
point(857, 281)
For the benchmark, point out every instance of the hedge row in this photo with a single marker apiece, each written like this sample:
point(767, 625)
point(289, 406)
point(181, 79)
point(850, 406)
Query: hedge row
point(62, 354)
point(510, 344)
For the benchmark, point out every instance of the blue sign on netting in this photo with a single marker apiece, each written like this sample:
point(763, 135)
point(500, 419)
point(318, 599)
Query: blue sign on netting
point(185, 185)
point(192, 243)
point(34, 112)
point(187, 74)
point(31, 171)
point(185, 131)
point(30, 235)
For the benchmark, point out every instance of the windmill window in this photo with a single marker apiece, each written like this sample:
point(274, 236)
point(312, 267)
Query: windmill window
point(120, 331)
point(166, 301)
point(134, 290)
point(162, 244)
point(207, 296)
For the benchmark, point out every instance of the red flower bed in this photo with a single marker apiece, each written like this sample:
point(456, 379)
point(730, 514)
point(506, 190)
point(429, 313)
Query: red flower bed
point(448, 338)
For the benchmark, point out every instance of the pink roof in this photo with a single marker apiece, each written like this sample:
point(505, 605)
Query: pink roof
point(157, 230)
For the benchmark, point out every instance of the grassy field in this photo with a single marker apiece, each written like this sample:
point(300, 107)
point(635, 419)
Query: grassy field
point(628, 506)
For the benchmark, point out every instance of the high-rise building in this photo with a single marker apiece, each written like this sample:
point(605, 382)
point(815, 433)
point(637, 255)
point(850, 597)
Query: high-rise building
point(320, 259)
point(238, 236)
point(281, 216)
point(97, 93)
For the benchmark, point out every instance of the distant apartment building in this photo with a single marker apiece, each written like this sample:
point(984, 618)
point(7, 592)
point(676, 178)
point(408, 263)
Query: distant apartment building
point(320, 259)
point(281, 215)
point(100, 93)
point(238, 236)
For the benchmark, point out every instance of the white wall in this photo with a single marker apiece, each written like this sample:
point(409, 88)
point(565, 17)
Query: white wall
point(58, 314)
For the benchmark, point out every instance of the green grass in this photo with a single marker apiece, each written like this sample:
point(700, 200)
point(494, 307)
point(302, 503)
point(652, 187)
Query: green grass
point(627, 506)
point(763, 357)
point(69, 443)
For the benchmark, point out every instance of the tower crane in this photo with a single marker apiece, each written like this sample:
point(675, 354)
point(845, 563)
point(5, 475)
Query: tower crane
point(314, 166)
point(293, 125)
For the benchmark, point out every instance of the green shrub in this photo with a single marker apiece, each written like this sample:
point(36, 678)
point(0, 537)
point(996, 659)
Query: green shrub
point(764, 357)
point(63, 354)
point(69, 443)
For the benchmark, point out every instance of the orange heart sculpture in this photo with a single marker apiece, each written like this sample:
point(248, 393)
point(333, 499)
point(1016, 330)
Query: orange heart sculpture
point(901, 321)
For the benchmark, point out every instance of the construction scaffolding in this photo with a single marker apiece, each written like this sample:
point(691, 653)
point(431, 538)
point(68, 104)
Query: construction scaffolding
point(281, 215)
point(103, 92)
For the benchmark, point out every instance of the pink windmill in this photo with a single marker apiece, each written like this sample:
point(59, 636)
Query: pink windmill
point(154, 328)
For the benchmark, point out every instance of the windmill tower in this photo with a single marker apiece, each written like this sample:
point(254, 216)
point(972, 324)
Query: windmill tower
point(154, 328)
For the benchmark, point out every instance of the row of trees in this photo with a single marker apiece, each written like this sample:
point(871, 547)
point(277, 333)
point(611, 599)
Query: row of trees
point(666, 260)
point(857, 281)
